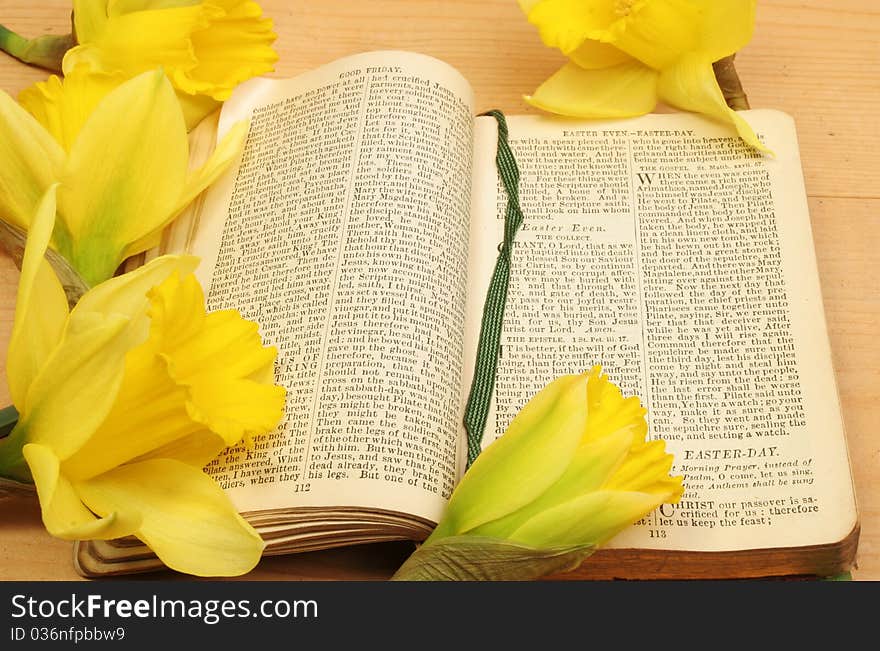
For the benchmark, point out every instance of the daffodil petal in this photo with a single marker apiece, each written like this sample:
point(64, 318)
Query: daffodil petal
point(610, 411)
point(202, 534)
point(226, 344)
point(207, 48)
point(149, 412)
point(89, 19)
point(215, 356)
point(64, 107)
point(177, 313)
point(196, 108)
point(31, 159)
point(565, 24)
point(196, 449)
point(691, 85)
point(646, 470)
point(726, 26)
point(191, 374)
point(44, 101)
point(204, 346)
point(656, 32)
point(41, 307)
point(64, 514)
point(151, 240)
point(76, 386)
point(127, 294)
point(265, 374)
point(593, 54)
point(121, 7)
point(590, 519)
point(198, 180)
point(591, 466)
point(236, 409)
point(139, 41)
point(228, 150)
point(621, 91)
point(236, 46)
point(119, 190)
point(531, 455)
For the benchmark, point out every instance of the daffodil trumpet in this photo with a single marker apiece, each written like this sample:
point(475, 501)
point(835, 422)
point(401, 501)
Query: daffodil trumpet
point(572, 470)
point(625, 56)
point(119, 154)
point(207, 47)
point(125, 398)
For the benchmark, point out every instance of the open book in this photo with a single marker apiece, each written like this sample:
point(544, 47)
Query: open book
point(360, 229)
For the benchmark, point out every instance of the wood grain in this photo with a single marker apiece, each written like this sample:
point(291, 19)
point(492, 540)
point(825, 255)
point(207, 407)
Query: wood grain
point(815, 59)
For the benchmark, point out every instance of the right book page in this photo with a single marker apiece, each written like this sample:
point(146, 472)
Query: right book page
point(680, 260)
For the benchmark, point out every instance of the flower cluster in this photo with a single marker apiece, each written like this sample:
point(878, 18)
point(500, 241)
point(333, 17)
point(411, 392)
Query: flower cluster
point(626, 55)
point(126, 391)
point(123, 399)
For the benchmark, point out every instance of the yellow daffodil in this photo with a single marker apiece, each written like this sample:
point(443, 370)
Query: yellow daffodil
point(626, 55)
point(207, 48)
point(120, 154)
point(572, 470)
point(125, 398)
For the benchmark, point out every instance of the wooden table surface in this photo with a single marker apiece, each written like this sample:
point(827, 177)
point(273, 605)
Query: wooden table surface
point(818, 60)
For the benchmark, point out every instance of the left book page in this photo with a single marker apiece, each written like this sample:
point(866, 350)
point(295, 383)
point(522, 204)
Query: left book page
point(343, 231)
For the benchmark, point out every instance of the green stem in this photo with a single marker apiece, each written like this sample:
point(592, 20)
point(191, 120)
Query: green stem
point(12, 440)
point(44, 51)
point(730, 84)
point(11, 43)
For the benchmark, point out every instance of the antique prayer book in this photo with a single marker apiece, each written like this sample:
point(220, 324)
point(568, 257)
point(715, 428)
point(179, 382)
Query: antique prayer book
point(360, 228)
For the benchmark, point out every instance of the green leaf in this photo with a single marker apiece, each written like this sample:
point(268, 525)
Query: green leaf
point(473, 558)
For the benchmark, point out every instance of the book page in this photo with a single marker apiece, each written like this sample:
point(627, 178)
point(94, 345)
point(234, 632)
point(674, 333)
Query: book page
point(681, 261)
point(343, 231)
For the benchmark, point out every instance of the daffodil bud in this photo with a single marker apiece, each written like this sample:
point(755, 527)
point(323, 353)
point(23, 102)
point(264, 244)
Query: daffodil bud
point(572, 470)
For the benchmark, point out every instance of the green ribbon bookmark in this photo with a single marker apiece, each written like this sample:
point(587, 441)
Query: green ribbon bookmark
point(483, 384)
